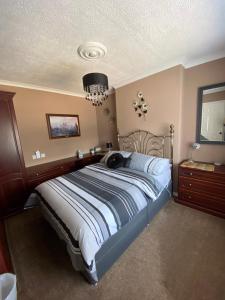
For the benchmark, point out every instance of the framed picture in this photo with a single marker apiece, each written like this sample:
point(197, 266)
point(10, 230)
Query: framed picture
point(63, 126)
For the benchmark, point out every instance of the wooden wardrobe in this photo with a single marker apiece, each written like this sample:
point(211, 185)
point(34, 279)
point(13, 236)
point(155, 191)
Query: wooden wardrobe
point(13, 190)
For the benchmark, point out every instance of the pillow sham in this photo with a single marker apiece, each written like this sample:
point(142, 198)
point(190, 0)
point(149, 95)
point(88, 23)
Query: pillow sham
point(147, 163)
point(125, 154)
point(116, 160)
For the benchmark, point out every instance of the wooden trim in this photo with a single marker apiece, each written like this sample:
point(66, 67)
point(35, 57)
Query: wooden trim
point(61, 115)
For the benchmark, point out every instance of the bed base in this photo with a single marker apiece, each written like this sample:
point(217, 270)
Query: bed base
point(119, 242)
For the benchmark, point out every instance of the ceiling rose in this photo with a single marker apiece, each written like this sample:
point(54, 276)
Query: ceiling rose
point(92, 51)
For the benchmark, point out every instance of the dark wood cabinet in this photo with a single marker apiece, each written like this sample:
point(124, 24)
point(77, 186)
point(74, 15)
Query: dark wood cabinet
point(5, 261)
point(13, 190)
point(203, 189)
point(40, 173)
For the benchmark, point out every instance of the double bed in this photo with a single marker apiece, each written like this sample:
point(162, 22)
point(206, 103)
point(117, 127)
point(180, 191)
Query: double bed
point(98, 211)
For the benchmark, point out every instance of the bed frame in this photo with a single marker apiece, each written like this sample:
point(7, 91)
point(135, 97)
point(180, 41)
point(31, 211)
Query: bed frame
point(145, 142)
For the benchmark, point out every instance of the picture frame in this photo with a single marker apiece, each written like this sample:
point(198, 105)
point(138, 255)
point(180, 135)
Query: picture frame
point(63, 125)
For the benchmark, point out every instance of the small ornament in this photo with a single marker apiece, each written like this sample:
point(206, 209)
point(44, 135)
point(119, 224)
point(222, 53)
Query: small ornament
point(140, 106)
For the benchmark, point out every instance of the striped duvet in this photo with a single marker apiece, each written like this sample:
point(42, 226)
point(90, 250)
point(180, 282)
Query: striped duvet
point(94, 203)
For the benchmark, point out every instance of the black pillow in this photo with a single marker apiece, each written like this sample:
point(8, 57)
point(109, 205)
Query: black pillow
point(116, 160)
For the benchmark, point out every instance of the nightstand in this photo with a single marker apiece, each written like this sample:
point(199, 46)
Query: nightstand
point(202, 186)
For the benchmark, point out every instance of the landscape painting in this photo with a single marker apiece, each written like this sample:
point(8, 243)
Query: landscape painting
point(62, 126)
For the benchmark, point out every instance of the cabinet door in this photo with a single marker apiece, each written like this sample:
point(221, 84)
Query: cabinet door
point(14, 195)
point(12, 183)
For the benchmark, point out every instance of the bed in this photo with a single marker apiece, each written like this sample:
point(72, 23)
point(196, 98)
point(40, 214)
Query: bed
point(99, 211)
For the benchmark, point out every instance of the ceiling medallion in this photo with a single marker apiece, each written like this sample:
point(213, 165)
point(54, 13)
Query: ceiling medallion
point(96, 87)
point(92, 51)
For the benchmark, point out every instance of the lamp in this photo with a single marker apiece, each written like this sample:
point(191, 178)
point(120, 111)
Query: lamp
point(194, 146)
point(96, 86)
point(109, 146)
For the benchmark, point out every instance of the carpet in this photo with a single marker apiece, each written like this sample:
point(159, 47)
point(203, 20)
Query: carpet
point(180, 256)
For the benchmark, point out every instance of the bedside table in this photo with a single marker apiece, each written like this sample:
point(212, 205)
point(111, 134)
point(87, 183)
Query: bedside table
point(202, 186)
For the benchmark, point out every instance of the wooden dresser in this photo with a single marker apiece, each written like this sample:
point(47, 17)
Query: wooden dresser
point(202, 186)
point(40, 173)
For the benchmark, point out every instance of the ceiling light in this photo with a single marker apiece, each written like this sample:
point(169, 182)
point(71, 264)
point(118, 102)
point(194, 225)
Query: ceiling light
point(96, 87)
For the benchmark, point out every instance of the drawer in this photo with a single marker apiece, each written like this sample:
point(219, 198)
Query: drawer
point(203, 200)
point(200, 186)
point(89, 160)
point(39, 173)
point(203, 175)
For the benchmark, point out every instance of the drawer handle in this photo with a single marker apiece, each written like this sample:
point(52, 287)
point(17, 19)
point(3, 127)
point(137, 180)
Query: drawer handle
point(189, 197)
point(190, 173)
point(190, 184)
point(37, 174)
point(61, 167)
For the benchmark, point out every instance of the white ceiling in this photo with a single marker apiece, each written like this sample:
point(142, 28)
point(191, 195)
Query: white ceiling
point(39, 39)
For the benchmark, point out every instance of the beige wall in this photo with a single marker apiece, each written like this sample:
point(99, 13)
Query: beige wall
point(201, 75)
point(106, 122)
point(31, 107)
point(172, 97)
point(163, 92)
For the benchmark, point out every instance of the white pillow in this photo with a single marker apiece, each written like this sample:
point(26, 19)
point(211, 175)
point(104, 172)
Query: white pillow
point(125, 154)
point(148, 164)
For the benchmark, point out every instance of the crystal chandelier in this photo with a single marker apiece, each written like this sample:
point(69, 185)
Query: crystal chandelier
point(96, 87)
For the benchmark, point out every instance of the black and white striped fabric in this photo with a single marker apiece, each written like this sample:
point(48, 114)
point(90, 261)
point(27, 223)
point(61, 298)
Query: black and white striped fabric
point(95, 202)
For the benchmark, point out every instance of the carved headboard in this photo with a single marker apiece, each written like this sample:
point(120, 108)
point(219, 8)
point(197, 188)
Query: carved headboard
point(146, 142)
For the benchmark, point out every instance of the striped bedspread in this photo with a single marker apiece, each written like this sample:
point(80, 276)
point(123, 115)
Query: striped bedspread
point(93, 203)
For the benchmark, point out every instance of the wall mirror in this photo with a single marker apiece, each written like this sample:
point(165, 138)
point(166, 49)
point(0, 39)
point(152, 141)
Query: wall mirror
point(211, 114)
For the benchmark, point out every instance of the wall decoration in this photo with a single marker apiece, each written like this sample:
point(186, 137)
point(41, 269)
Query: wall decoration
point(140, 106)
point(62, 126)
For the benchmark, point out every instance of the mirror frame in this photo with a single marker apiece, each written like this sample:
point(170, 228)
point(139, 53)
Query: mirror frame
point(199, 113)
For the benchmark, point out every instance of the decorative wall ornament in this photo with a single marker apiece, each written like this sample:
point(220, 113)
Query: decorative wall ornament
point(140, 106)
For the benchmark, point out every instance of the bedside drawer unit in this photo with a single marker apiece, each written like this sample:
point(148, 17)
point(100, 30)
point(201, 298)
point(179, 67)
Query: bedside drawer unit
point(202, 200)
point(202, 189)
point(202, 175)
point(196, 185)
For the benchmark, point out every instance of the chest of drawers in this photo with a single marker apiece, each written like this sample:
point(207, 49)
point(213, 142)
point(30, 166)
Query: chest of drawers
point(40, 173)
point(202, 189)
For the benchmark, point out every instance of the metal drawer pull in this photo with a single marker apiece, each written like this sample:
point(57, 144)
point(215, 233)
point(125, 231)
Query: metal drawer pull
point(37, 174)
point(190, 174)
point(189, 197)
point(190, 184)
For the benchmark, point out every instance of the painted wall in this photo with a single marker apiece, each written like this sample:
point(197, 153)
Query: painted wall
point(31, 107)
point(163, 93)
point(106, 122)
point(201, 75)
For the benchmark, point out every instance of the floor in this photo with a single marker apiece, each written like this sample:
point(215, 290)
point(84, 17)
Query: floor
point(180, 256)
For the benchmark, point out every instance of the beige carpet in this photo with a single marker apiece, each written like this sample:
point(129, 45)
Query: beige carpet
point(180, 256)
